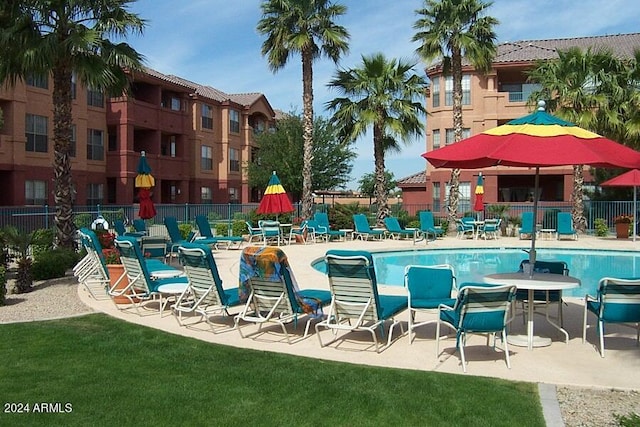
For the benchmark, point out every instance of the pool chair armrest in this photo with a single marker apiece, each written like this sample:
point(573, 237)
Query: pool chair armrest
point(590, 298)
point(445, 307)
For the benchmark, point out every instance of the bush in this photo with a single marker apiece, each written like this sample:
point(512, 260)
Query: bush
point(185, 230)
point(601, 228)
point(42, 241)
point(53, 264)
point(3, 285)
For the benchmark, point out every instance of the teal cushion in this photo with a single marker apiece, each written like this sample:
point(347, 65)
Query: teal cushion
point(431, 303)
point(231, 297)
point(390, 305)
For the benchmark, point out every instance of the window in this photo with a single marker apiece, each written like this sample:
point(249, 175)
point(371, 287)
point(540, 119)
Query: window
point(464, 197)
point(234, 160)
point(95, 144)
point(435, 138)
point(234, 121)
point(259, 126)
point(206, 158)
point(72, 143)
point(233, 195)
point(35, 192)
point(94, 194)
point(38, 80)
point(36, 133)
point(175, 104)
point(95, 98)
point(435, 91)
point(449, 137)
point(206, 195)
point(207, 116)
point(168, 145)
point(466, 90)
point(436, 197)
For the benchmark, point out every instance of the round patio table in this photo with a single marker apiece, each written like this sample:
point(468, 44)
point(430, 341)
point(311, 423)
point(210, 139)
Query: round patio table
point(534, 282)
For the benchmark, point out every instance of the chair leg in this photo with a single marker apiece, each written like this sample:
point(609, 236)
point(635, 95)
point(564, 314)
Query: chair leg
point(601, 333)
point(460, 344)
point(506, 347)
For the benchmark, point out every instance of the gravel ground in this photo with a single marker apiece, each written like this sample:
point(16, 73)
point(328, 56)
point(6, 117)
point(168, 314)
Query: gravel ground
point(579, 406)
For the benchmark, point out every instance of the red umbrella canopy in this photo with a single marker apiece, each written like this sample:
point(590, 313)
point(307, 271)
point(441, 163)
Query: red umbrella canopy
point(144, 181)
point(275, 199)
point(628, 179)
point(538, 139)
point(478, 204)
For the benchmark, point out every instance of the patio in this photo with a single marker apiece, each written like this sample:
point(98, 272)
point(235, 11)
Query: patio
point(561, 364)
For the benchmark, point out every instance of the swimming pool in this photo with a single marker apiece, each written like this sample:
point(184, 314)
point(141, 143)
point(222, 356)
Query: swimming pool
point(471, 265)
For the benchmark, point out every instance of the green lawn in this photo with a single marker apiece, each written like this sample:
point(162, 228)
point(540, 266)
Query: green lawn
point(115, 373)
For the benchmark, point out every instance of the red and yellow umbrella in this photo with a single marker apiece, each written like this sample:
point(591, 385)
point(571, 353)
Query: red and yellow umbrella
point(536, 140)
point(478, 204)
point(275, 199)
point(144, 181)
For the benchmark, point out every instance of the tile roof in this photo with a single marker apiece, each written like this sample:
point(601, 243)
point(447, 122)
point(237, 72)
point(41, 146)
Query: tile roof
point(416, 178)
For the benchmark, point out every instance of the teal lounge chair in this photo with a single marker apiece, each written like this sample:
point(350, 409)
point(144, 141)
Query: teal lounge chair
point(362, 229)
point(271, 293)
point(464, 228)
point(322, 219)
point(320, 232)
point(255, 233)
point(427, 288)
point(356, 304)
point(176, 239)
point(232, 242)
point(396, 231)
point(617, 301)
point(526, 225)
point(143, 287)
point(140, 226)
point(121, 230)
point(479, 309)
point(428, 227)
point(205, 294)
point(565, 226)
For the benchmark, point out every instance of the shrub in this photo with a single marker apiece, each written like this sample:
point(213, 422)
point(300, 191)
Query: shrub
point(53, 264)
point(3, 285)
point(601, 227)
point(185, 230)
point(42, 241)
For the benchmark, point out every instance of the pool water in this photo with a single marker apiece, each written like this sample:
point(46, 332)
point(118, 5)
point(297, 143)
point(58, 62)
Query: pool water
point(471, 265)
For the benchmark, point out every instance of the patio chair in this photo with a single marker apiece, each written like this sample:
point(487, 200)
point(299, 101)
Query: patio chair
point(526, 225)
point(427, 288)
point(490, 229)
point(428, 227)
point(320, 232)
point(121, 230)
point(302, 232)
point(479, 309)
point(254, 232)
point(176, 239)
point(204, 228)
point(355, 297)
point(544, 297)
point(90, 271)
point(140, 226)
point(464, 228)
point(565, 226)
point(396, 231)
point(271, 232)
point(268, 286)
point(617, 301)
point(143, 287)
point(362, 229)
point(205, 294)
point(323, 220)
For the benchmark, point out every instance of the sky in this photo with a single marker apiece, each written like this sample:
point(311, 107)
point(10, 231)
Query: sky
point(215, 43)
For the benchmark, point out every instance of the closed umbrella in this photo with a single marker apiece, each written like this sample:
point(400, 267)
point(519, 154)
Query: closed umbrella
point(145, 181)
point(628, 179)
point(275, 199)
point(535, 140)
point(478, 204)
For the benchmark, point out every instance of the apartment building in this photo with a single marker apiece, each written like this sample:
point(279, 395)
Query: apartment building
point(196, 139)
point(491, 100)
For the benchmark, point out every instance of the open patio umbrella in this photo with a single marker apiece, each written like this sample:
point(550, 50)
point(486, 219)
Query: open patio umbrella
point(628, 179)
point(478, 204)
point(275, 199)
point(536, 140)
point(144, 181)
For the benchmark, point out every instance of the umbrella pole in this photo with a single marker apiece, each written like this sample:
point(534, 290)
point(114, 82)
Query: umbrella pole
point(532, 251)
point(635, 213)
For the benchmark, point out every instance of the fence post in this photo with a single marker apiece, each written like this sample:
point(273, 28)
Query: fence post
point(186, 210)
point(46, 216)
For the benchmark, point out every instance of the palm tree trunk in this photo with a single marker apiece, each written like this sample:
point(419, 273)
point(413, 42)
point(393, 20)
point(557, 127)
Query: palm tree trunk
point(307, 133)
point(380, 187)
point(454, 192)
point(577, 201)
point(62, 120)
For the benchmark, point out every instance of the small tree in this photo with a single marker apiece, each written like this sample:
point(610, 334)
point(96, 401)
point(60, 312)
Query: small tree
point(20, 242)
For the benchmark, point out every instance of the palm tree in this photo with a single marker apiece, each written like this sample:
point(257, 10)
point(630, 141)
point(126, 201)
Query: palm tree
point(382, 94)
point(450, 30)
point(586, 88)
point(66, 38)
point(306, 27)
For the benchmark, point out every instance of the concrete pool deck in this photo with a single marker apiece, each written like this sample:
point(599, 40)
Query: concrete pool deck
point(560, 364)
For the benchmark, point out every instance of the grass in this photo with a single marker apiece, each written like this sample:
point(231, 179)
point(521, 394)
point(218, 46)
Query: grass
point(116, 373)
